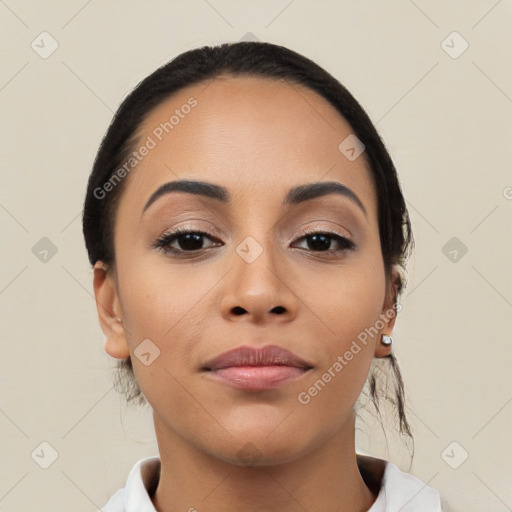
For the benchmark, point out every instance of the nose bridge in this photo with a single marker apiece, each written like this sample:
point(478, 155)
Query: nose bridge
point(255, 262)
point(256, 242)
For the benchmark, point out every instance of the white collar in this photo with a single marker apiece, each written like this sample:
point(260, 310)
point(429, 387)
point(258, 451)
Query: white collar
point(398, 490)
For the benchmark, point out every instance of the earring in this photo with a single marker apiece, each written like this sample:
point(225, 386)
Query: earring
point(119, 319)
point(386, 339)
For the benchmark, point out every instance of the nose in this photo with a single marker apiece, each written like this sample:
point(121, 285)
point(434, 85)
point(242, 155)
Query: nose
point(259, 290)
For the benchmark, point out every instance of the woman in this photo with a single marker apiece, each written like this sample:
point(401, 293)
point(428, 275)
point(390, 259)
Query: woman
point(248, 237)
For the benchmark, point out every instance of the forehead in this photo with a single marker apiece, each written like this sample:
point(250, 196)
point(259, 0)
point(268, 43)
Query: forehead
point(251, 134)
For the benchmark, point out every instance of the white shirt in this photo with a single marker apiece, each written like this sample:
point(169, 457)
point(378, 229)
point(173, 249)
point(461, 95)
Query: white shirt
point(399, 491)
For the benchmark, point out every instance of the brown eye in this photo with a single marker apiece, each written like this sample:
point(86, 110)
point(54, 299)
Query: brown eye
point(322, 242)
point(187, 241)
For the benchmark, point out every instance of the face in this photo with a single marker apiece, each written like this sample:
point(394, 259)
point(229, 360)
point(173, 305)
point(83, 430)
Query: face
point(305, 274)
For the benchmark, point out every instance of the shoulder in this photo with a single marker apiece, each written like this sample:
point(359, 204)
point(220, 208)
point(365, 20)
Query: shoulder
point(135, 495)
point(397, 490)
point(408, 493)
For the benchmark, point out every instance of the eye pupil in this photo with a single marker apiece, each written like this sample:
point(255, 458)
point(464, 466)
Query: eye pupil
point(319, 242)
point(190, 240)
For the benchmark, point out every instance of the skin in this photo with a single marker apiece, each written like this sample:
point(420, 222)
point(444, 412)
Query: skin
point(258, 138)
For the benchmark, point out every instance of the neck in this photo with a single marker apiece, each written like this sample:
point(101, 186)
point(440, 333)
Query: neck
point(326, 478)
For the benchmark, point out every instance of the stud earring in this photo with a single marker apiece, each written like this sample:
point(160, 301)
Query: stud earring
point(386, 339)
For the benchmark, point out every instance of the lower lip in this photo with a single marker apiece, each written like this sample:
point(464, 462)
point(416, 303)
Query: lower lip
point(257, 378)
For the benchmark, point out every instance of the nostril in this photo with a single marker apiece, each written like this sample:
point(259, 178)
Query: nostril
point(238, 310)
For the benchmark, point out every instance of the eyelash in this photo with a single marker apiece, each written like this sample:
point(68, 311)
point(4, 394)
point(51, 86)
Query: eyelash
point(163, 243)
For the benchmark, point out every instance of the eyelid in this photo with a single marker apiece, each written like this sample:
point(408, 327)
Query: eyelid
point(195, 225)
point(315, 230)
point(213, 232)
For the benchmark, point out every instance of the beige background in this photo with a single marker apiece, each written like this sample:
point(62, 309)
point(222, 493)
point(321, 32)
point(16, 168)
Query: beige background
point(447, 123)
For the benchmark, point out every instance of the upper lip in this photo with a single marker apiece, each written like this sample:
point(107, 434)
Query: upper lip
point(270, 355)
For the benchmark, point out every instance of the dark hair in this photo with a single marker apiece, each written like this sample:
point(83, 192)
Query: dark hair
point(255, 59)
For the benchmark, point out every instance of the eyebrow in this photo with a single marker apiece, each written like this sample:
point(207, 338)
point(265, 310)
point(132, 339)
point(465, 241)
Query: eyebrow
point(295, 195)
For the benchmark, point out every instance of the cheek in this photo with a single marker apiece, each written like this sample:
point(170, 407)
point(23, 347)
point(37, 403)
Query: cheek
point(162, 306)
point(170, 304)
point(161, 300)
point(348, 300)
point(348, 307)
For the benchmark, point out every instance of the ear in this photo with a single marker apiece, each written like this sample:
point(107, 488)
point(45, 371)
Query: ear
point(388, 313)
point(109, 312)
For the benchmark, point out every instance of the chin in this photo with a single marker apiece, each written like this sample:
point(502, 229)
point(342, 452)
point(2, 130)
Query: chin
point(259, 451)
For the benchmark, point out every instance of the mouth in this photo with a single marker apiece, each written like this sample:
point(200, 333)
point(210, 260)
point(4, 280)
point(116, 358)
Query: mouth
point(256, 369)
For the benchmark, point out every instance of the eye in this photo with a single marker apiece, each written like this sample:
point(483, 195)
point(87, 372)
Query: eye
point(320, 241)
point(188, 240)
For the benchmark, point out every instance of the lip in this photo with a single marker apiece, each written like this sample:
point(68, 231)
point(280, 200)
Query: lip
point(255, 368)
